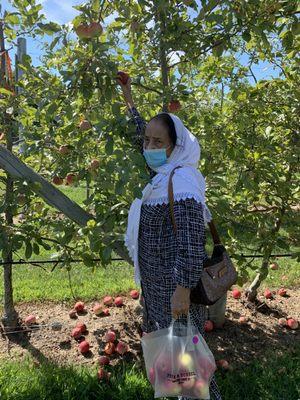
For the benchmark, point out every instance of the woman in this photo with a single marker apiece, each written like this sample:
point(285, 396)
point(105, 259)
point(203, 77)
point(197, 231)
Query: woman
point(168, 266)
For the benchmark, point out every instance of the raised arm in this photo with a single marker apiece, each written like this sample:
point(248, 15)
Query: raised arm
point(139, 122)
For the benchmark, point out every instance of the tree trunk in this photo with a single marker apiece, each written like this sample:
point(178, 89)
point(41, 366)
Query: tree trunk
point(10, 317)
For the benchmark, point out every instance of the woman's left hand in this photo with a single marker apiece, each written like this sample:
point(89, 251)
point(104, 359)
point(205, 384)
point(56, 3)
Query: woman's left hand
point(180, 301)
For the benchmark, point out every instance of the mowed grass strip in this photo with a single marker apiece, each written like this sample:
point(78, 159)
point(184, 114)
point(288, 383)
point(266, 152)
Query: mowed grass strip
point(275, 378)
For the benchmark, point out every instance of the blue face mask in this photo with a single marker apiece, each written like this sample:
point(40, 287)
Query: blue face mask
point(156, 157)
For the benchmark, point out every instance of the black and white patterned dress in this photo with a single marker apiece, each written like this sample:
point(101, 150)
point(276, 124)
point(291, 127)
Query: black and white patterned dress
point(166, 260)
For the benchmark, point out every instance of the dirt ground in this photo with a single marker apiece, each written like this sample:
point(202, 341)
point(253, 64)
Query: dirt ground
point(235, 342)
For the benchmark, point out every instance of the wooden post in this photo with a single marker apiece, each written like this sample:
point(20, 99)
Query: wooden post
point(53, 196)
point(21, 51)
point(10, 316)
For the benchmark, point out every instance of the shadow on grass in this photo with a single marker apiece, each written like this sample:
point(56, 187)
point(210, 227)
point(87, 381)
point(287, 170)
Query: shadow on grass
point(275, 378)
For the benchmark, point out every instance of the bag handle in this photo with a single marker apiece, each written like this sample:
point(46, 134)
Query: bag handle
point(188, 327)
point(212, 227)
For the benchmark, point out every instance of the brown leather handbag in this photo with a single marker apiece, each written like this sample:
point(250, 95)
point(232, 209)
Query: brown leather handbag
point(218, 274)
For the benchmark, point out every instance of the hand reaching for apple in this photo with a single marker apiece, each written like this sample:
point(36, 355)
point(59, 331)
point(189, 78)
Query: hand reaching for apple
point(124, 80)
point(180, 301)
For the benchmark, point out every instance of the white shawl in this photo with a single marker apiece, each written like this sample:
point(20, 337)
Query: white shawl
point(188, 182)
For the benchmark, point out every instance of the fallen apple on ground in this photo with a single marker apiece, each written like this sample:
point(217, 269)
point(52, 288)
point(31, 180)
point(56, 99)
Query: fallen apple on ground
point(84, 347)
point(98, 309)
point(109, 348)
point(243, 320)
point(110, 336)
point(274, 266)
point(81, 326)
point(104, 360)
point(292, 323)
point(122, 348)
point(108, 300)
point(103, 375)
point(208, 326)
point(73, 313)
point(282, 292)
point(76, 333)
point(282, 322)
point(224, 364)
point(134, 294)
point(106, 311)
point(30, 320)
point(236, 294)
point(268, 294)
point(118, 301)
point(79, 306)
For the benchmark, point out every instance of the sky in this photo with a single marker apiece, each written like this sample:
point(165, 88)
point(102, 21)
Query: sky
point(62, 11)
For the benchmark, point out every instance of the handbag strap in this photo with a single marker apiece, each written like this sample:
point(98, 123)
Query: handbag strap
point(212, 227)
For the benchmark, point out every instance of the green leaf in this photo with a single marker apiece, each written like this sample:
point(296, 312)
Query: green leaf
point(50, 27)
point(109, 146)
point(246, 36)
point(28, 251)
point(106, 254)
point(36, 248)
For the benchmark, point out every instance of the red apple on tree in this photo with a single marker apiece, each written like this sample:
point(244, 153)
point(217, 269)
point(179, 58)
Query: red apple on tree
point(174, 106)
point(94, 164)
point(70, 178)
point(84, 125)
point(57, 180)
point(95, 29)
point(64, 149)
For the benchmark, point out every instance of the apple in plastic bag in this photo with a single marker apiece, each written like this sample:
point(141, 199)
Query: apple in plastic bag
point(185, 360)
point(206, 368)
point(163, 365)
point(152, 376)
point(170, 388)
point(188, 385)
point(201, 389)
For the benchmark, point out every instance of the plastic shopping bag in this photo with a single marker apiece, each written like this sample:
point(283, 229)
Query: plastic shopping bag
point(178, 361)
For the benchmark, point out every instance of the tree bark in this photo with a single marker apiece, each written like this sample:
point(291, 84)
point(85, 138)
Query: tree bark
point(10, 317)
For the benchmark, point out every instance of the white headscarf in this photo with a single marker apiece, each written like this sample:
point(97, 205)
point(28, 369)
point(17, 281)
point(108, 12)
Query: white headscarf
point(188, 182)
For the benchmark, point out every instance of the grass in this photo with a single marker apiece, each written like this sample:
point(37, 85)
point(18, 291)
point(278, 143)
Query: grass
point(274, 379)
